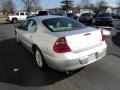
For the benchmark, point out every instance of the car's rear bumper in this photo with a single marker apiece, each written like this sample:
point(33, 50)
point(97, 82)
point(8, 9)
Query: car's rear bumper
point(67, 64)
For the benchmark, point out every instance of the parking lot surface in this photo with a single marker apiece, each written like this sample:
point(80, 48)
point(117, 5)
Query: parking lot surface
point(18, 69)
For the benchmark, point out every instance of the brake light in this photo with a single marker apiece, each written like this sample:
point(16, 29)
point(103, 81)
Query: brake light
point(61, 45)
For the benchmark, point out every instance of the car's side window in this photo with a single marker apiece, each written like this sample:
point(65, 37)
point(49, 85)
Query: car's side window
point(24, 25)
point(21, 13)
point(32, 26)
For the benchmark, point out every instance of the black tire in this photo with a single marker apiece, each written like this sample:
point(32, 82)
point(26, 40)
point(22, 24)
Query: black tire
point(40, 59)
point(14, 20)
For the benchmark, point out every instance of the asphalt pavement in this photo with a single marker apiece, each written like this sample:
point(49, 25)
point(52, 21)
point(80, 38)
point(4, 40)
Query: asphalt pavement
point(19, 71)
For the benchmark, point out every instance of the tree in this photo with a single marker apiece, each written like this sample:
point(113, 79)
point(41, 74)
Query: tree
point(67, 5)
point(7, 6)
point(91, 6)
point(36, 4)
point(84, 3)
point(31, 4)
point(101, 4)
point(118, 4)
point(78, 7)
point(10, 6)
point(28, 4)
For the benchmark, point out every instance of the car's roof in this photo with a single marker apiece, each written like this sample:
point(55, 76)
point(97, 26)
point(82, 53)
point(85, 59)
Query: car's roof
point(41, 18)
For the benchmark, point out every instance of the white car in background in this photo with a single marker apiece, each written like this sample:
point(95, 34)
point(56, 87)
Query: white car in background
point(107, 31)
point(61, 43)
point(19, 16)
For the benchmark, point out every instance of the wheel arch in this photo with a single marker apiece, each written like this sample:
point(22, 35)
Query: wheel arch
point(15, 18)
point(34, 47)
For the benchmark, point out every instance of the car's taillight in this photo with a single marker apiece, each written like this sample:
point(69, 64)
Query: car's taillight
point(61, 46)
point(103, 36)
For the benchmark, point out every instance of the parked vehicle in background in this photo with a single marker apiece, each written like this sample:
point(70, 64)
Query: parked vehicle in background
point(116, 15)
point(60, 14)
point(19, 16)
point(103, 19)
point(40, 13)
point(61, 42)
point(32, 15)
point(117, 38)
point(107, 31)
point(72, 15)
point(82, 11)
point(86, 18)
point(86, 11)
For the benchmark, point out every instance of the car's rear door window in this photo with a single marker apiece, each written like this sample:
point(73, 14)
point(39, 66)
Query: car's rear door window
point(62, 24)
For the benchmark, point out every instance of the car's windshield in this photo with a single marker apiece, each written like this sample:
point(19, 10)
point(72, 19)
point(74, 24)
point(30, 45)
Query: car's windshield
point(104, 15)
point(62, 24)
point(70, 14)
point(86, 14)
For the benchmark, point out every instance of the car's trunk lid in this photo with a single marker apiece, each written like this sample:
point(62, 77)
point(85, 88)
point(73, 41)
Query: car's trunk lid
point(83, 39)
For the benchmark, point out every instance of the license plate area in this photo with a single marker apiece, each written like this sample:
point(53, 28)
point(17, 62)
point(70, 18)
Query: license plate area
point(88, 59)
point(92, 57)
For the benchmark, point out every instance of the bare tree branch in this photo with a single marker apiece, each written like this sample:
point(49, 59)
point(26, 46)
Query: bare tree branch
point(67, 4)
point(28, 4)
point(31, 4)
point(7, 6)
point(84, 3)
point(101, 4)
point(36, 4)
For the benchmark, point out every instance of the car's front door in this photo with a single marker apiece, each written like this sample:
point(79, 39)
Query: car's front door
point(28, 32)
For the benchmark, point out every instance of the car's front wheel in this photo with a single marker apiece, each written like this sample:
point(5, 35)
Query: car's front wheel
point(14, 20)
point(39, 59)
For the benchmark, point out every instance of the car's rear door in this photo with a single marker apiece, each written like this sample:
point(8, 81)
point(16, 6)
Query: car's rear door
point(27, 32)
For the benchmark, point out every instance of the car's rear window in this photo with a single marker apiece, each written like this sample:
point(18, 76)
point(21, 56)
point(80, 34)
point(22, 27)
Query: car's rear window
point(104, 15)
point(42, 13)
point(62, 24)
point(86, 14)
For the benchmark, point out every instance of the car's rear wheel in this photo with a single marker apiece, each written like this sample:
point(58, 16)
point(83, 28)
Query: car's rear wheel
point(14, 20)
point(39, 59)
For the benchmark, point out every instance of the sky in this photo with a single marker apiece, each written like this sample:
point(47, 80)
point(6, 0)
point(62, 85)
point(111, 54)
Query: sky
point(56, 3)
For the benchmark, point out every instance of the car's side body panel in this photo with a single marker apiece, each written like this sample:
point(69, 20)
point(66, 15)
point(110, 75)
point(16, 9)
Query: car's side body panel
point(85, 44)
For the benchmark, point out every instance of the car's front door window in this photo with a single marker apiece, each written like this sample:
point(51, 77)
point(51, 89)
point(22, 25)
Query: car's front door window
point(32, 26)
point(24, 25)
